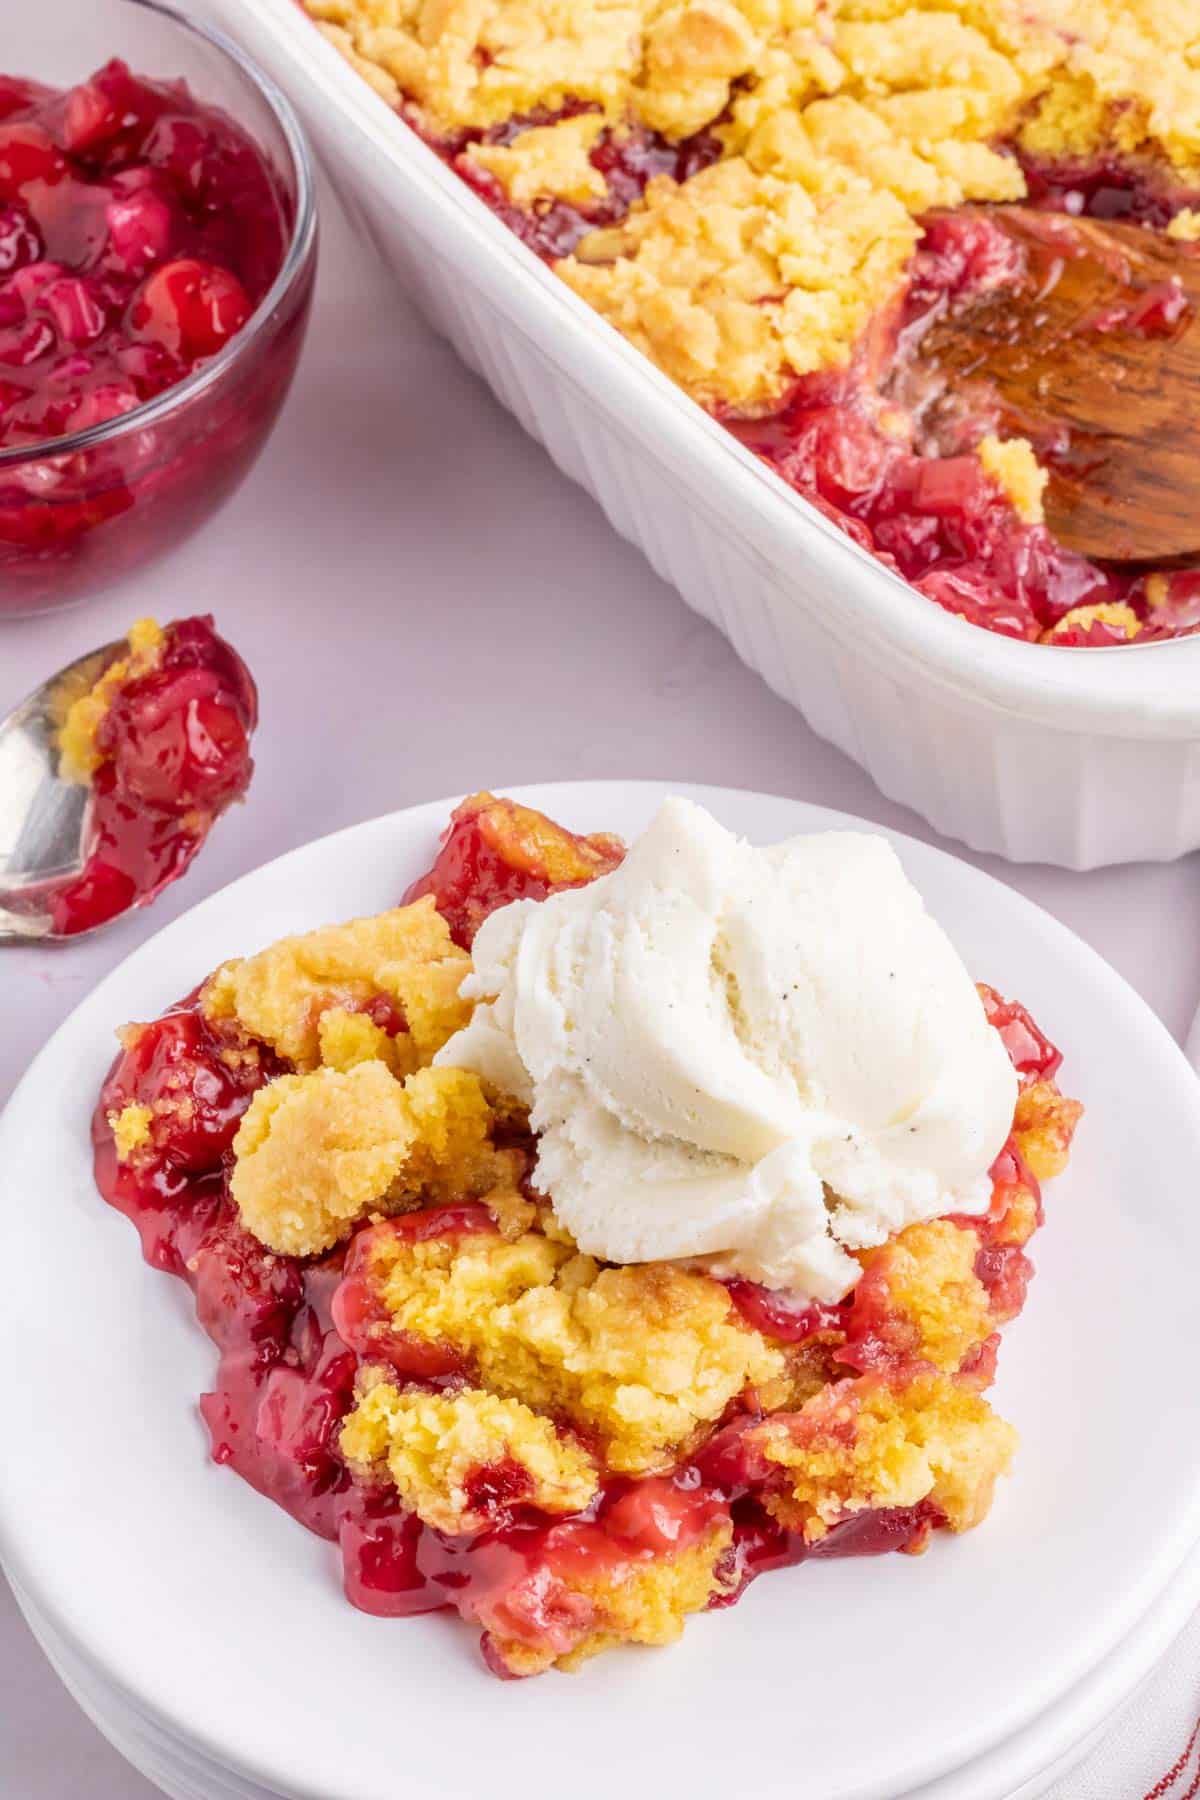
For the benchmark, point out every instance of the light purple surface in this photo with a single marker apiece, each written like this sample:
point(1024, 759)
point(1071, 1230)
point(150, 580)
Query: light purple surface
point(429, 607)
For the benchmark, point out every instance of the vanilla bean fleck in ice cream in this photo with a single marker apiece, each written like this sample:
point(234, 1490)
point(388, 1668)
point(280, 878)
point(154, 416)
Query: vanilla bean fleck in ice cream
point(761, 1059)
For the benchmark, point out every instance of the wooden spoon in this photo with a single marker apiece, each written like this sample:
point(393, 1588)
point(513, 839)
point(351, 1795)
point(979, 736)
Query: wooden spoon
point(1094, 355)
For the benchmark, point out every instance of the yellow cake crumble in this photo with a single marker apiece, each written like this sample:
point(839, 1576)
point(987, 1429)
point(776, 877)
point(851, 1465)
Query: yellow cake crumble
point(431, 1444)
point(315, 1153)
point(839, 123)
point(650, 1602)
point(130, 1128)
point(345, 1039)
point(1185, 226)
point(81, 713)
point(1115, 614)
point(927, 1274)
point(1013, 463)
point(864, 1443)
point(1043, 1127)
point(548, 162)
point(405, 955)
point(645, 1602)
point(643, 1355)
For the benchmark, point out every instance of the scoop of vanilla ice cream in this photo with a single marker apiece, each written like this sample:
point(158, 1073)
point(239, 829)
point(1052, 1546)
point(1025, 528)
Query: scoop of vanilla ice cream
point(760, 1059)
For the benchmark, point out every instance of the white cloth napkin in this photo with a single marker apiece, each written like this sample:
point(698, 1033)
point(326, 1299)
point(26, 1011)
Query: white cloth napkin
point(1153, 1749)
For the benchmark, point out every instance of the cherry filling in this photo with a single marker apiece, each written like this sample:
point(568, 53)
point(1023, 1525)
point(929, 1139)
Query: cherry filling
point(138, 231)
point(1030, 1051)
point(292, 1337)
point(493, 853)
point(176, 750)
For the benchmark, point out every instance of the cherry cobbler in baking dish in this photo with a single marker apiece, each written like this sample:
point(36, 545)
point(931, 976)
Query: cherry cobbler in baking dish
point(573, 1253)
point(774, 199)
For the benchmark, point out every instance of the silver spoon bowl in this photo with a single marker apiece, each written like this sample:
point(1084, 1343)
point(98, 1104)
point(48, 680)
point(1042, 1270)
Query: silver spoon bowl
point(43, 819)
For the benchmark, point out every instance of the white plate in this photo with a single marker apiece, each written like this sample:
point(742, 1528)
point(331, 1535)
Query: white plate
point(222, 1621)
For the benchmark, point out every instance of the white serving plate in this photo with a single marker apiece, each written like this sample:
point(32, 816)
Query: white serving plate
point(1015, 1770)
point(1079, 757)
point(176, 1598)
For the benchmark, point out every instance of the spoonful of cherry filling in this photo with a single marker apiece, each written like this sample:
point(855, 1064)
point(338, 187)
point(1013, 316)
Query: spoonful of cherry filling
point(113, 773)
point(1089, 346)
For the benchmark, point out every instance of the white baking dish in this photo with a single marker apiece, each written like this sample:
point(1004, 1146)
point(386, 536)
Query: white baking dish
point(1079, 757)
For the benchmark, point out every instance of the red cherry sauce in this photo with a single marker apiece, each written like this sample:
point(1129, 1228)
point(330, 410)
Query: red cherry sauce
point(139, 229)
point(176, 749)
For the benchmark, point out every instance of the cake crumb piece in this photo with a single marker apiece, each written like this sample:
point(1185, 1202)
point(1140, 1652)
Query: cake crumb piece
point(405, 956)
point(879, 1442)
point(130, 1128)
point(1185, 226)
point(79, 755)
point(1115, 614)
point(549, 162)
point(453, 1456)
point(1011, 462)
point(317, 1152)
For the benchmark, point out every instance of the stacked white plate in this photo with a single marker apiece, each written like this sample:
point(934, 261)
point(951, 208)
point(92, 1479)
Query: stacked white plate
point(206, 1635)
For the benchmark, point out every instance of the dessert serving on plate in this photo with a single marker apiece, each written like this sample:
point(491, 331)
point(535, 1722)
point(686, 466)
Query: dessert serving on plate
point(777, 201)
point(593, 1231)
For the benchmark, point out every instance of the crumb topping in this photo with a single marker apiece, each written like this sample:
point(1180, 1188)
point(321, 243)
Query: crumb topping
point(315, 1153)
point(649, 1602)
point(924, 1289)
point(439, 1449)
point(868, 1443)
point(345, 1039)
point(639, 1602)
point(1012, 463)
point(739, 276)
point(1043, 1127)
point(640, 1354)
point(840, 122)
point(79, 756)
point(1185, 226)
point(548, 162)
point(405, 956)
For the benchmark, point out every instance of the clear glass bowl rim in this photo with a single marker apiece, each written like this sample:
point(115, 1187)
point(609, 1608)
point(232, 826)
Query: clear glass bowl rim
point(304, 228)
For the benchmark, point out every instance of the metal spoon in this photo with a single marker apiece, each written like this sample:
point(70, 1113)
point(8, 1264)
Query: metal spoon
point(42, 818)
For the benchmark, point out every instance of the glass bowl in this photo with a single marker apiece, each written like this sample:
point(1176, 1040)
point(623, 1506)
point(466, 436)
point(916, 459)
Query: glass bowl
point(79, 511)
